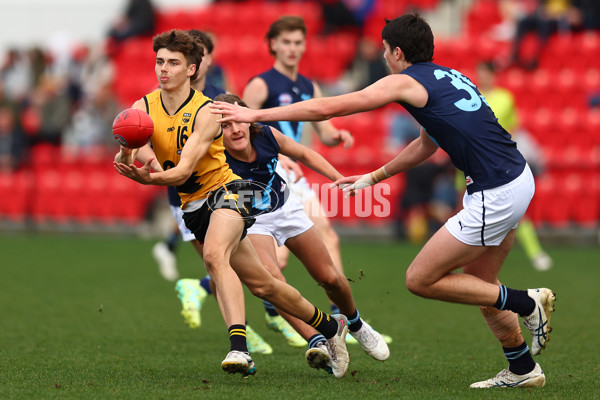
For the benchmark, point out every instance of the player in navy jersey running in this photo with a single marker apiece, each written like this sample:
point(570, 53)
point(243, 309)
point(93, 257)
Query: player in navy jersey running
point(282, 85)
point(455, 117)
point(252, 151)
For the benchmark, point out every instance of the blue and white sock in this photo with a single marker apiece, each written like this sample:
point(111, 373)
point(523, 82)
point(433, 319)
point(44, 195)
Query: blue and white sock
point(314, 339)
point(519, 359)
point(354, 321)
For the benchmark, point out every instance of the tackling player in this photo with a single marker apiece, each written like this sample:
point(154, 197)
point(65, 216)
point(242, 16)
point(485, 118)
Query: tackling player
point(454, 116)
point(279, 86)
point(188, 143)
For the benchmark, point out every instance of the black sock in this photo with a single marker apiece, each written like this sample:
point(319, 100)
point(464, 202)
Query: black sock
point(324, 324)
point(519, 359)
point(237, 337)
point(515, 300)
point(354, 321)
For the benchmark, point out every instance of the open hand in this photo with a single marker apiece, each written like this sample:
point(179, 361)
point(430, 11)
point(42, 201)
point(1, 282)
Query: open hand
point(232, 112)
point(140, 175)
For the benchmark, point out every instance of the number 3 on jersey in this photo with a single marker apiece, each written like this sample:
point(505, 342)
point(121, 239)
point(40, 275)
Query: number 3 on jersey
point(460, 82)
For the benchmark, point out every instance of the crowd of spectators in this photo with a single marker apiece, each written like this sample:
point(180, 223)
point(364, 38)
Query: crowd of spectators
point(543, 18)
point(43, 101)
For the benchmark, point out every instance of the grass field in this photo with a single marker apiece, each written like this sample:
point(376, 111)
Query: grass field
point(89, 317)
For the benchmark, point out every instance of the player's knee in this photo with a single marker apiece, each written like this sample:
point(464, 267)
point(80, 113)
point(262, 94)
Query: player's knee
point(331, 279)
point(415, 285)
point(213, 261)
point(263, 289)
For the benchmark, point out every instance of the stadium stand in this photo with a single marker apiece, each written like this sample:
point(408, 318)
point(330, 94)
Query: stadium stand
point(552, 101)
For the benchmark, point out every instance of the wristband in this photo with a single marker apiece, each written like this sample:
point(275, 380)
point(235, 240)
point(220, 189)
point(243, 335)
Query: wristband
point(379, 175)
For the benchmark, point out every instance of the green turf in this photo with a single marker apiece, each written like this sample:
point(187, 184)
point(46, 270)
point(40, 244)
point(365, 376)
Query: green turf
point(89, 317)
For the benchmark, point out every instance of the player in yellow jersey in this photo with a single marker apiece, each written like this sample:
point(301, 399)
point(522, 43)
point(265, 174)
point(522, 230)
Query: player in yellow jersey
point(187, 141)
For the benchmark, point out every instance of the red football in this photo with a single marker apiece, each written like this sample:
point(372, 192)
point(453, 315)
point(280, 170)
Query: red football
point(132, 128)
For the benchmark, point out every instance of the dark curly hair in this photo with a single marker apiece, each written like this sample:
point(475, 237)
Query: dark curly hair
point(183, 42)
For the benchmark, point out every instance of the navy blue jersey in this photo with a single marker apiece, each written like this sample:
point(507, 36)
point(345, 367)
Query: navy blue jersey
point(174, 198)
point(460, 121)
point(210, 91)
point(284, 91)
point(272, 189)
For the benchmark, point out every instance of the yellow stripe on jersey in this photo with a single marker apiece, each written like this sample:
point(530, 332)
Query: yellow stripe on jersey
point(170, 135)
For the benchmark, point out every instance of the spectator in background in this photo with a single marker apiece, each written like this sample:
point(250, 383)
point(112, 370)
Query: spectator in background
point(544, 17)
point(502, 102)
point(38, 62)
point(51, 103)
point(368, 67)
point(586, 14)
point(337, 16)
point(15, 73)
point(90, 123)
point(11, 140)
point(138, 20)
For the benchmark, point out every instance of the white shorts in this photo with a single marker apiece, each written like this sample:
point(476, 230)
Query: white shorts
point(489, 215)
point(284, 223)
point(186, 234)
point(300, 189)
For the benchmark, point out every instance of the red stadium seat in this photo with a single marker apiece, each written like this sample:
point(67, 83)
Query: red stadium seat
point(44, 155)
point(48, 202)
point(588, 44)
point(15, 189)
point(481, 16)
point(555, 205)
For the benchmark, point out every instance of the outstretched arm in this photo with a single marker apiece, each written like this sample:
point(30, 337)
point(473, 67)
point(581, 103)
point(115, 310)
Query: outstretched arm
point(392, 88)
point(194, 149)
point(416, 152)
point(306, 156)
point(328, 134)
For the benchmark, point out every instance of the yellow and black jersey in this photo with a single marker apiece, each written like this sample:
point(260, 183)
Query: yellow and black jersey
point(170, 134)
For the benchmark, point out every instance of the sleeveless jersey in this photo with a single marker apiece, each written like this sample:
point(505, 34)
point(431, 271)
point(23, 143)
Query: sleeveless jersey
point(170, 134)
point(284, 91)
point(211, 92)
point(271, 188)
point(459, 120)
